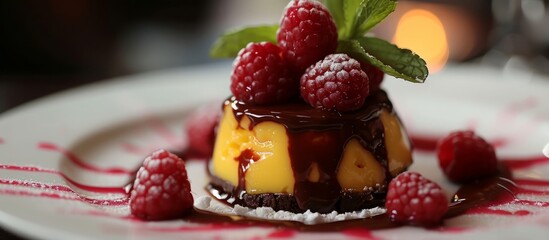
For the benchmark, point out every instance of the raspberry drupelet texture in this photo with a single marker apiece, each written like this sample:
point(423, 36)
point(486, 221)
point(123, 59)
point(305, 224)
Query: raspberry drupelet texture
point(161, 189)
point(260, 75)
point(335, 83)
point(464, 157)
point(413, 199)
point(307, 33)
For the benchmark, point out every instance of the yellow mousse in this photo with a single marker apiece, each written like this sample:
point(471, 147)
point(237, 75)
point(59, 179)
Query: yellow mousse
point(270, 170)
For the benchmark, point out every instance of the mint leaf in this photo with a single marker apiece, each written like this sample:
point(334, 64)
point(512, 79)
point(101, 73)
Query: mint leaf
point(397, 62)
point(228, 45)
point(336, 9)
point(372, 13)
point(344, 13)
point(351, 9)
point(355, 17)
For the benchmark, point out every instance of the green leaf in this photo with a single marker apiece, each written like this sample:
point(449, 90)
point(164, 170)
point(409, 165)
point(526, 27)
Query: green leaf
point(355, 17)
point(228, 45)
point(372, 13)
point(351, 9)
point(336, 9)
point(344, 14)
point(397, 62)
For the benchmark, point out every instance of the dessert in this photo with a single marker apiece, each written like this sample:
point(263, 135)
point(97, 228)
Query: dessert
point(294, 157)
point(335, 147)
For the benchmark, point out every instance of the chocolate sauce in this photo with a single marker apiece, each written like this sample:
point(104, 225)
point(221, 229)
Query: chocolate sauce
point(332, 130)
point(494, 190)
point(245, 158)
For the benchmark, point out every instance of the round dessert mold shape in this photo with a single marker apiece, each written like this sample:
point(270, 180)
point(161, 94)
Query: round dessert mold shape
point(317, 157)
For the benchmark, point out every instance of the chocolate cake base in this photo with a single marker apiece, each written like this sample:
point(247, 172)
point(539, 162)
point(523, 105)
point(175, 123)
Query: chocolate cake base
point(348, 200)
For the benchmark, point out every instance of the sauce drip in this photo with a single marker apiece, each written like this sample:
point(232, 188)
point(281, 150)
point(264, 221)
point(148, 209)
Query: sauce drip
point(331, 131)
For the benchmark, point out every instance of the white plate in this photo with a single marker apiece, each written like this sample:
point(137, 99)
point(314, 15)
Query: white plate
point(53, 151)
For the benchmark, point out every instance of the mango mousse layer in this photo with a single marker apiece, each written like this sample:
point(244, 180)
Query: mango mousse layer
point(296, 158)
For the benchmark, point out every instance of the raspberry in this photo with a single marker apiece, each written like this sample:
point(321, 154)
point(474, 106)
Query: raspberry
point(335, 83)
point(375, 75)
point(260, 75)
point(161, 189)
point(464, 157)
point(413, 199)
point(200, 129)
point(307, 33)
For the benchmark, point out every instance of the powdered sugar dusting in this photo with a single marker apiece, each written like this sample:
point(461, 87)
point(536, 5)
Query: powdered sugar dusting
point(205, 203)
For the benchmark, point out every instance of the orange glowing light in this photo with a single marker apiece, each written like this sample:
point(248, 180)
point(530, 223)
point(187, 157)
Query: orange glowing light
point(423, 32)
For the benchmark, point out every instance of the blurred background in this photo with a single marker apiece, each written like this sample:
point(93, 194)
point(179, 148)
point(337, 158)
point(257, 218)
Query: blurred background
point(50, 45)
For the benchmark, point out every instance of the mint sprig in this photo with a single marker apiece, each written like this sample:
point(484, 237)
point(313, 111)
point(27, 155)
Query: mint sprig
point(228, 45)
point(372, 13)
point(344, 14)
point(397, 62)
point(353, 18)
